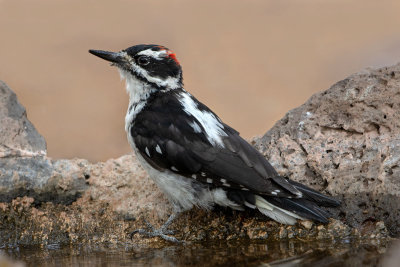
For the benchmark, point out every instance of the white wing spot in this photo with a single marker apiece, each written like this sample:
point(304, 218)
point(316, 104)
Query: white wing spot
point(170, 82)
point(195, 126)
point(147, 152)
point(223, 180)
point(209, 180)
point(194, 176)
point(227, 185)
point(174, 169)
point(158, 149)
point(274, 193)
point(245, 189)
point(203, 174)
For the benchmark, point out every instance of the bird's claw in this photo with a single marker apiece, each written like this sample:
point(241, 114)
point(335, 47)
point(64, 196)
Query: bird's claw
point(149, 225)
point(156, 233)
point(162, 232)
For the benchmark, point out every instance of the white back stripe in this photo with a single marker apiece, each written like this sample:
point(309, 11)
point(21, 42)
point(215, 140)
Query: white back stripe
point(213, 128)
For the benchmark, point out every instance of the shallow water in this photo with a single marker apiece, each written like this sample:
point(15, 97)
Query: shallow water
point(282, 253)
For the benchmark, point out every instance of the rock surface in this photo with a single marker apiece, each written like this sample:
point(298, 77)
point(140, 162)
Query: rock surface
point(18, 137)
point(24, 168)
point(344, 140)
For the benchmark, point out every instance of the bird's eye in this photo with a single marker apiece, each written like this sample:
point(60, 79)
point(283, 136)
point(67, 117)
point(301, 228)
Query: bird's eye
point(143, 60)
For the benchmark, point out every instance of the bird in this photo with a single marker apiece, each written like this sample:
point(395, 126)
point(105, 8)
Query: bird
point(195, 158)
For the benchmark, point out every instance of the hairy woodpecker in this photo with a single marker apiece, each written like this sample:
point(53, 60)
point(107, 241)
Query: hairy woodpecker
point(195, 158)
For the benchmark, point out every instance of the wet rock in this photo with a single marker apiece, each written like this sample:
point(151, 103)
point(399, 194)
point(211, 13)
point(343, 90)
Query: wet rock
point(92, 222)
point(346, 141)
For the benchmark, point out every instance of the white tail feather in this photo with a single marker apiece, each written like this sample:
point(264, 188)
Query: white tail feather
point(247, 204)
point(278, 216)
point(276, 213)
point(262, 203)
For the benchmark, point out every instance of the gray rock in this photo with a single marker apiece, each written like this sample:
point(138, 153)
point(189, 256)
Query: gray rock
point(18, 137)
point(24, 169)
point(61, 181)
point(346, 141)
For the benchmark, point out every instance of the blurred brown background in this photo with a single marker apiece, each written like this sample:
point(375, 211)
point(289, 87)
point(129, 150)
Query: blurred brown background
point(250, 61)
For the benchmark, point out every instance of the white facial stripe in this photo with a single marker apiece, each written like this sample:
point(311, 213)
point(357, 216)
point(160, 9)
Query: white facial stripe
point(154, 54)
point(170, 82)
point(213, 128)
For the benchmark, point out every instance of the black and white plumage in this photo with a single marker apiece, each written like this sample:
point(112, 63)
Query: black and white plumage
point(195, 158)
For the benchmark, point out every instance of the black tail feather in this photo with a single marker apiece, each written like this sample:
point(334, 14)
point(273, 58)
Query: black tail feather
point(302, 207)
point(315, 196)
point(307, 206)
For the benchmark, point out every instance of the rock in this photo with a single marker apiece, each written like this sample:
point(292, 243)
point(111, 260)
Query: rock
point(18, 137)
point(343, 141)
point(24, 168)
point(126, 188)
point(116, 196)
point(42, 178)
point(346, 141)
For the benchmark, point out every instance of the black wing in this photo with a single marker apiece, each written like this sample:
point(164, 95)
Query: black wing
point(163, 134)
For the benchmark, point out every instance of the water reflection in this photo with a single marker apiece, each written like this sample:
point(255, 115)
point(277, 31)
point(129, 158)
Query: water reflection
point(283, 253)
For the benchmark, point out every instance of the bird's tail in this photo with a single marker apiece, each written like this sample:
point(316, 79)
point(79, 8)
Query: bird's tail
point(288, 210)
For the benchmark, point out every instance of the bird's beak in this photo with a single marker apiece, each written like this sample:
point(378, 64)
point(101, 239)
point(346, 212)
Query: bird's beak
point(114, 57)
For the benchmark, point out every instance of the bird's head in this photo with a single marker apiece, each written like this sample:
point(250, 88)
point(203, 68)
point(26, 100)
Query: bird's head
point(153, 65)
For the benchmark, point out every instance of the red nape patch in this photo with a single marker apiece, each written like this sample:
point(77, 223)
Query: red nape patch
point(170, 54)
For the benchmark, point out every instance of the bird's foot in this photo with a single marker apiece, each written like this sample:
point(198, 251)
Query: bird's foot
point(161, 232)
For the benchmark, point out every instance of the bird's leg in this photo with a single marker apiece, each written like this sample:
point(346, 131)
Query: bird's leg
point(162, 232)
